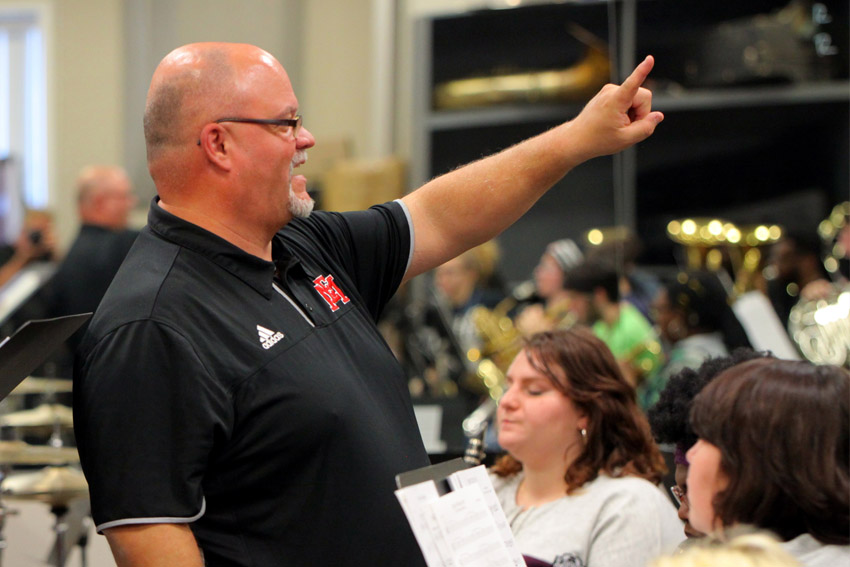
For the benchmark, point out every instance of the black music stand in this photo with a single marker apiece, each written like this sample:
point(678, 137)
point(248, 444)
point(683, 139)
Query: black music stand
point(22, 352)
point(31, 344)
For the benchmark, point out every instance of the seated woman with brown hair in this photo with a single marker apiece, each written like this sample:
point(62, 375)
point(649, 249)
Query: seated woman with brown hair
point(774, 452)
point(579, 485)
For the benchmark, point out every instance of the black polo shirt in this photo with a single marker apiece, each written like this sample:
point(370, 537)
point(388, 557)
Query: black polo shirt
point(255, 400)
point(88, 268)
point(86, 272)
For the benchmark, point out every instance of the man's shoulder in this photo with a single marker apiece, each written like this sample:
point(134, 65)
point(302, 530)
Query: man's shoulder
point(98, 243)
point(333, 221)
point(328, 236)
point(138, 283)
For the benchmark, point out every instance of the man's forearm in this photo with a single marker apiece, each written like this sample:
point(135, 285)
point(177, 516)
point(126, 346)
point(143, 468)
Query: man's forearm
point(474, 203)
point(154, 545)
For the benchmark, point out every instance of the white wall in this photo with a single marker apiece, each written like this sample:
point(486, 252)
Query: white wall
point(86, 98)
point(156, 27)
point(335, 92)
point(104, 52)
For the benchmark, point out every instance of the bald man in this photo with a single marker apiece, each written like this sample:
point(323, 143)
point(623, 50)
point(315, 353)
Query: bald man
point(104, 201)
point(234, 401)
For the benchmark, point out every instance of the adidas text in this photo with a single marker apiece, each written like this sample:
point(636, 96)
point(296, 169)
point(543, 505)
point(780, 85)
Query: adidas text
point(268, 338)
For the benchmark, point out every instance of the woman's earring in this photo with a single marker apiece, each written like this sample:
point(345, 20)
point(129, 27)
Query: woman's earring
point(584, 435)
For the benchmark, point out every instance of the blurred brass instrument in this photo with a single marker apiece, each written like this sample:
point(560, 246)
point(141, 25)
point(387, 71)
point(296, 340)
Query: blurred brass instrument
point(711, 243)
point(637, 359)
point(821, 326)
point(500, 343)
point(576, 83)
point(830, 230)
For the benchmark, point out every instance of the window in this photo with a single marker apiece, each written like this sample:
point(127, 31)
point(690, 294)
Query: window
point(23, 112)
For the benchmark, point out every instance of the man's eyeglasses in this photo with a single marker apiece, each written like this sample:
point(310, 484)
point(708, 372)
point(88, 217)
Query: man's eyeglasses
point(679, 495)
point(294, 123)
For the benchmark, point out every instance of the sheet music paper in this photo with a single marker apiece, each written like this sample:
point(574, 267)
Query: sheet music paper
point(463, 528)
point(477, 476)
point(416, 502)
point(470, 530)
point(762, 325)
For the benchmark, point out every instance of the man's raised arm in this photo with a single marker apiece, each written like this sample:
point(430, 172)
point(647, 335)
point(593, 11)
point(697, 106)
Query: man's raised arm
point(471, 205)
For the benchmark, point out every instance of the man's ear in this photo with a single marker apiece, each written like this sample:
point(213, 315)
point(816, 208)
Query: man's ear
point(215, 142)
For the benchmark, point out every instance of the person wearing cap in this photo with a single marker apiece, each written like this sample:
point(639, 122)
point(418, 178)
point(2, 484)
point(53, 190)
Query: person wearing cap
point(553, 310)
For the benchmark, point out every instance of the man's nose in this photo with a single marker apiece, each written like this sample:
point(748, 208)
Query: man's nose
point(305, 139)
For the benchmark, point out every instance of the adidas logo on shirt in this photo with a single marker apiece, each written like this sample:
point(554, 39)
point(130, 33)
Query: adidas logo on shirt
point(268, 338)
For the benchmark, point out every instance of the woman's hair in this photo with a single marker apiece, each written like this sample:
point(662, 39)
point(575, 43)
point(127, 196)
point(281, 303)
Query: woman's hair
point(618, 440)
point(750, 550)
point(669, 416)
point(783, 431)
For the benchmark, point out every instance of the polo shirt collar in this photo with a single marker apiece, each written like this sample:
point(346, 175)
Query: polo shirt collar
point(254, 271)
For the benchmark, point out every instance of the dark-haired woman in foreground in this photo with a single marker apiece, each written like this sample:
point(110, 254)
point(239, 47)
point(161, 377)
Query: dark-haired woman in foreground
point(774, 452)
point(669, 419)
point(580, 483)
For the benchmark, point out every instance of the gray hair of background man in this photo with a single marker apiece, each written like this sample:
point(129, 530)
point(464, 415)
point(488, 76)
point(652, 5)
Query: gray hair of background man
point(104, 196)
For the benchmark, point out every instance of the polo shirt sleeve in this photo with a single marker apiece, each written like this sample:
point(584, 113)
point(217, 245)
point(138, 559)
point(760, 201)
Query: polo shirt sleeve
point(146, 417)
point(374, 248)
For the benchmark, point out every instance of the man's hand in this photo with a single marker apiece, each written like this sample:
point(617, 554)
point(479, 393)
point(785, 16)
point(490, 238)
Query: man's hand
point(617, 117)
point(474, 203)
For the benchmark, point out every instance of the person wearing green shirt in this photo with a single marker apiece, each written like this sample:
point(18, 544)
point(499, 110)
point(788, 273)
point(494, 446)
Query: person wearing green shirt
point(594, 293)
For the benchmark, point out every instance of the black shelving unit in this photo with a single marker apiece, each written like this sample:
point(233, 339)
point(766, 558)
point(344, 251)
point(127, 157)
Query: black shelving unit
point(766, 148)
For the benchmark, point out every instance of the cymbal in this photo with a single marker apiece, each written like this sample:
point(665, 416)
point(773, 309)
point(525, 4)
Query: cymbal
point(55, 485)
point(20, 453)
point(33, 385)
point(43, 415)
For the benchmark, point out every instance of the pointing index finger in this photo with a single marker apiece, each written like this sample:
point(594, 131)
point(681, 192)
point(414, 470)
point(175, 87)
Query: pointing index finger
point(630, 86)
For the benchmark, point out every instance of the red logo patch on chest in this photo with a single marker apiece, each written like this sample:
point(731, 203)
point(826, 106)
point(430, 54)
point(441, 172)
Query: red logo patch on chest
point(329, 291)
